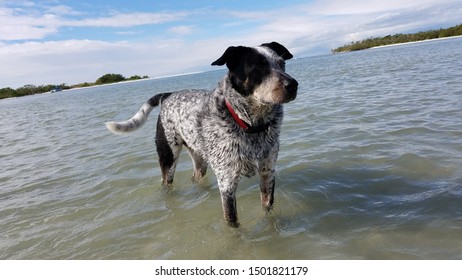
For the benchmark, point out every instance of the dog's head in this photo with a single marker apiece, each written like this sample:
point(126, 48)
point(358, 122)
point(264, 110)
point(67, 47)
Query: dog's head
point(260, 72)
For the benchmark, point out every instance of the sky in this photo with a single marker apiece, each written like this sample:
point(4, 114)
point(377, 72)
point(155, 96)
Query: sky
point(59, 41)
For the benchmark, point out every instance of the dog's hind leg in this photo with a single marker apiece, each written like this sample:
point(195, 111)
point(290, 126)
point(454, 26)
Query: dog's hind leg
point(199, 164)
point(168, 152)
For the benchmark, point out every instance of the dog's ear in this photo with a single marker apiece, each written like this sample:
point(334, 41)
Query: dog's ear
point(231, 57)
point(279, 49)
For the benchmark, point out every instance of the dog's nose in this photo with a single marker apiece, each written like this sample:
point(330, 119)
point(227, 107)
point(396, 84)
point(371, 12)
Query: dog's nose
point(290, 85)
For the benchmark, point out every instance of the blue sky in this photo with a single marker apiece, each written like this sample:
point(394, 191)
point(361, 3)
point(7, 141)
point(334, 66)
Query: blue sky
point(60, 41)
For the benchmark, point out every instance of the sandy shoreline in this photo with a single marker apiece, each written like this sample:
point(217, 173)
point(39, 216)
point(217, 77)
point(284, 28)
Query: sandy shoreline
point(416, 42)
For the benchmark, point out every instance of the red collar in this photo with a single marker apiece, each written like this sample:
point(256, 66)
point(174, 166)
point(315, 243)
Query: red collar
point(245, 126)
point(239, 121)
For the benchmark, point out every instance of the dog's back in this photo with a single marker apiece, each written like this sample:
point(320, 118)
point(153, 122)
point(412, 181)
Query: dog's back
point(178, 116)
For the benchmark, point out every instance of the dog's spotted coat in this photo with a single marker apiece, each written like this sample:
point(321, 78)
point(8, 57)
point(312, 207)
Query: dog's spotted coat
point(255, 87)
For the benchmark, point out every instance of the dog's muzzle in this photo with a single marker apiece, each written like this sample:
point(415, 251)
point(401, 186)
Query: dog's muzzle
point(290, 87)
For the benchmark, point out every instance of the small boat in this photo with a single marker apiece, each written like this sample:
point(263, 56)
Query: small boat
point(56, 89)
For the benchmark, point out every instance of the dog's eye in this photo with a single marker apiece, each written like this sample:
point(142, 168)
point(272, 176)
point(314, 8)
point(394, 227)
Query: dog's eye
point(260, 66)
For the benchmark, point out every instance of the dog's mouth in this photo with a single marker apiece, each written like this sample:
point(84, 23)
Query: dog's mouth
point(290, 97)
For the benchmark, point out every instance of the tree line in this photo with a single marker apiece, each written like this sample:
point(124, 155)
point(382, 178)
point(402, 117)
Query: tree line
point(400, 38)
point(33, 89)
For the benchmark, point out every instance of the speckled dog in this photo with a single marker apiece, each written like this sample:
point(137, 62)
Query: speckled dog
point(235, 128)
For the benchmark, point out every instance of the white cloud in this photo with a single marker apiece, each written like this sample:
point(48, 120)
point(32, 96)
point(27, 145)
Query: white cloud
point(19, 27)
point(63, 10)
point(354, 7)
point(53, 62)
point(181, 30)
point(16, 25)
point(31, 49)
point(126, 20)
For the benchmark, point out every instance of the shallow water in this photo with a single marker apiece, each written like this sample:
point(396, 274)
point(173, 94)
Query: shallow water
point(370, 167)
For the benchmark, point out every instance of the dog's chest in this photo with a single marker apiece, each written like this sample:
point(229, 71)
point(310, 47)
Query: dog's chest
point(241, 153)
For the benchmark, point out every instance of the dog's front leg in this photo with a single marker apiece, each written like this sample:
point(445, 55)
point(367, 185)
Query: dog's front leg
point(228, 200)
point(267, 183)
point(267, 179)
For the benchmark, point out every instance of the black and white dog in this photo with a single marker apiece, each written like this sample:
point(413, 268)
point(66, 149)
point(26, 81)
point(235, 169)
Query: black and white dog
point(235, 128)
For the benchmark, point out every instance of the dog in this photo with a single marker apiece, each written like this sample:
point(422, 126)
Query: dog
point(235, 128)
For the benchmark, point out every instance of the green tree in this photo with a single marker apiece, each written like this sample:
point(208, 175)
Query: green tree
point(7, 92)
point(110, 78)
point(135, 77)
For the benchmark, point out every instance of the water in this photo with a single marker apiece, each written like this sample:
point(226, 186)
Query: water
point(370, 167)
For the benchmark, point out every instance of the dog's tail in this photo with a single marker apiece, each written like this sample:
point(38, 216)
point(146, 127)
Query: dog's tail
point(139, 118)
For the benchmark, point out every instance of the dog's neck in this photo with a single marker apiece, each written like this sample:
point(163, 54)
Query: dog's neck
point(247, 108)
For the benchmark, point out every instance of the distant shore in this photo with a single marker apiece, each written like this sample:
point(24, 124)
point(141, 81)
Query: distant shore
point(33, 90)
point(44, 89)
point(397, 39)
point(135, 81)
